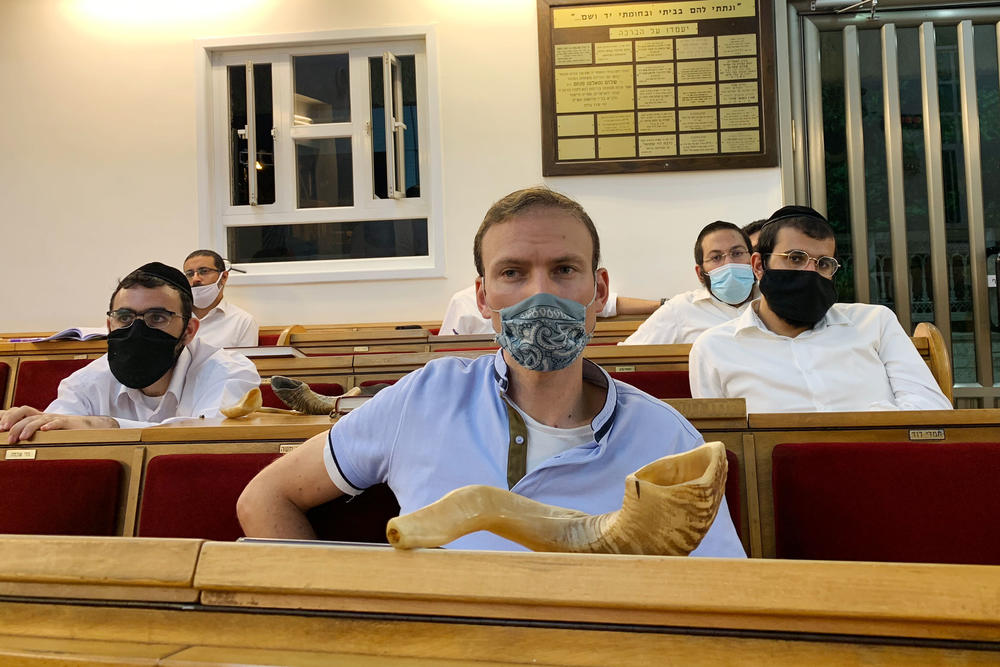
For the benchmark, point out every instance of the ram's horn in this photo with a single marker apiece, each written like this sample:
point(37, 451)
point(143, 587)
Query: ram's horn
point(250, 402)
point(297, 395)
point(669, 505)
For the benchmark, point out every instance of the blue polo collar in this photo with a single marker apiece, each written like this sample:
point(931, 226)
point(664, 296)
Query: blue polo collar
point(591, 373)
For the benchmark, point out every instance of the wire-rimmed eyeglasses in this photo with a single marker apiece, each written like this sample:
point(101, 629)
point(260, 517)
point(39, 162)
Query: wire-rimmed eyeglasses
point(155, 318)
point(799, 259)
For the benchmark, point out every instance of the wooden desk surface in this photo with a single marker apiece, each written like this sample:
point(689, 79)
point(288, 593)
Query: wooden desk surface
point(854, 420)
point(106, 568)
point(887, 599)
point(406, 361)
point(712, 413)
point(359, 337)
point(95, 436)
point(304, 604)
point(62, 347)
point(257, 427)
point(294, 366)
point(644, 353)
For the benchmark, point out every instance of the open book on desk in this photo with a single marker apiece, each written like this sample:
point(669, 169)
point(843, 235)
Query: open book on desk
point(75, 333)
point(257, 352)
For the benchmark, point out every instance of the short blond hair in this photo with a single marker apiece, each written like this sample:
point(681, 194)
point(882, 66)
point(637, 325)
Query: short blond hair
point(527, 199)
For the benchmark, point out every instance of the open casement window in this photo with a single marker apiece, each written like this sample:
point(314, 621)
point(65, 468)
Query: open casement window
point(395, 165)
point(318, 154)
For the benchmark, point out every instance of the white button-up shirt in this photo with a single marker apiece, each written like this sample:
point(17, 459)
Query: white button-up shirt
point(683, 318)
point(205, 379)
point(856, 358)
point(463, 317)
point(228, 325)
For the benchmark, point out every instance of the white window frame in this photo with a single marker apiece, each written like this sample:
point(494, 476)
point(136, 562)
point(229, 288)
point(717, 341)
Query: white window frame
point(214, 210)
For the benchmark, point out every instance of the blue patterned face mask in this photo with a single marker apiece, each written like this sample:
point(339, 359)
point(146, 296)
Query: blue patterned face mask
point(731, 283)
point(544, 332)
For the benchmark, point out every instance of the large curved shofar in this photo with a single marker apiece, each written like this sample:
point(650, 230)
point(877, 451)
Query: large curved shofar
point(669, 505)
point(297, 395)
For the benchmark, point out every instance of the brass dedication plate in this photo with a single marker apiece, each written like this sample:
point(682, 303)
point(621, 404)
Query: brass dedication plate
point(656, 86)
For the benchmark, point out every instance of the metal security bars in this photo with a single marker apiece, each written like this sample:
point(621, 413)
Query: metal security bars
point(895, 135)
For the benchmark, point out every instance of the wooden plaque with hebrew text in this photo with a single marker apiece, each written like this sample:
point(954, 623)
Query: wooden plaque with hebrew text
point(673, 85)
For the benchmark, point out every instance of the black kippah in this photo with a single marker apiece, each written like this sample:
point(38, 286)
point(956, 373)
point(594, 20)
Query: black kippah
point(168, 274)
point(786, 212)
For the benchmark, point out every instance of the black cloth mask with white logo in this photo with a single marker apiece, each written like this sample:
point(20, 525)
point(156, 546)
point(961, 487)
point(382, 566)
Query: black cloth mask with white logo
point(140, 355)
point(798, 297)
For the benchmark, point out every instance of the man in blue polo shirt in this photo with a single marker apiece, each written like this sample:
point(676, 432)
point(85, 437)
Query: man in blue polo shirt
point(535, 418)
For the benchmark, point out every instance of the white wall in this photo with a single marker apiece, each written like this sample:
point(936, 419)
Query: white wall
point(98, 155)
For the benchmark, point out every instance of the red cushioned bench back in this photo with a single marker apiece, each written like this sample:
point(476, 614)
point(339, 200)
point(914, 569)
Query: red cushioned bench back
point(659, 384)
point(38, 381)
point(194, 495)
point(70, 497)
point(372, 383)
point(4, 376)
point(267, 340)
point(271, 400)
point(887, 501)
point(358, 519)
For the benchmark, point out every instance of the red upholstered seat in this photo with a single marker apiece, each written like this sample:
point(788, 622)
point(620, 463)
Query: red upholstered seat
point(659, 384)
point(887, 501)
point(4, 376)
point(372, 383)
point(69, 497)
point(38, 381)
point(271, 400)
point(733, 492)
point(194, 495)
point(361, 518)
point(265, 340)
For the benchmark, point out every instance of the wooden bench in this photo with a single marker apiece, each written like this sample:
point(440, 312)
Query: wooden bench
point(932, 426)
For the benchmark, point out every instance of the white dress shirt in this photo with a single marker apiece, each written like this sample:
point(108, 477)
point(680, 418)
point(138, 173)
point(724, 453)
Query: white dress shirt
point(683, 318)
point(856, 358)
point(462, 316)
point(228, 325)
point(205, 379)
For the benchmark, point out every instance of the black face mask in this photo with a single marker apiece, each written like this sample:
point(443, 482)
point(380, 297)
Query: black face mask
point(801, 298)
point(139, 355)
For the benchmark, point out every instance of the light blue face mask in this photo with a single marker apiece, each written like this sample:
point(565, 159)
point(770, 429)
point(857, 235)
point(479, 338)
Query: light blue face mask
point(731, 283)
point(544, 332)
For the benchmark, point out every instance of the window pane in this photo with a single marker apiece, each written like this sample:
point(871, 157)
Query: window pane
point(956, 223)
point(332, 240)
point(876, 176)
point(264, 108)
point(915, 177)
point(324, 172)
point(411, 150)
point(322, 89)
point(988, 98)
point(239, 190)
point(835, 140)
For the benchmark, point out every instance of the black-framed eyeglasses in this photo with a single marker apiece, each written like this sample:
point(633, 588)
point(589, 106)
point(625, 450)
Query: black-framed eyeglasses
point(201, 272)
point(799, 259)
point(737, 254)
point(155, 318)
